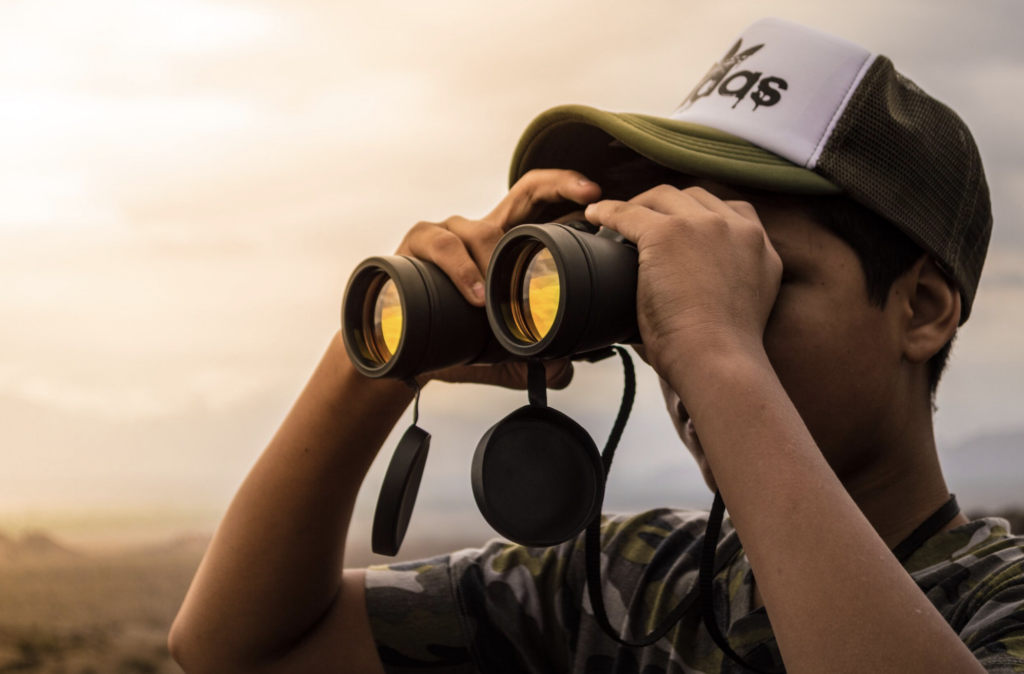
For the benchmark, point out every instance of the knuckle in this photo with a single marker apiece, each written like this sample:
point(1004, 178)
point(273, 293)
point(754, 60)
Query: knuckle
point(752, 233)
point(678, 223)
point(620, 207)
point(489, 234)
point(418, 230)
point(415, 239)
point(524, 189)
point(467, 272)
point(696, 191)
point(529, 179)
point(445, 243)
point(715, 221)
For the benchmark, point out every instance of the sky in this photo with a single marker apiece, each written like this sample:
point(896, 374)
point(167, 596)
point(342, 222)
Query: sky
point(185, 186)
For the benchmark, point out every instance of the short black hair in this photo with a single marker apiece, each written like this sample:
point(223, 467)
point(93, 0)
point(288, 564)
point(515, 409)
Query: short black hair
point(885, 252)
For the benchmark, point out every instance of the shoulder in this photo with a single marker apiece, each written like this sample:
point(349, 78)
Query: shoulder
point(974, 575)
point(958, 559)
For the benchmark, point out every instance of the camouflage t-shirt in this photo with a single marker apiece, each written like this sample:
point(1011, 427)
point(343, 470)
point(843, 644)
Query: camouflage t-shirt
point(508, 608)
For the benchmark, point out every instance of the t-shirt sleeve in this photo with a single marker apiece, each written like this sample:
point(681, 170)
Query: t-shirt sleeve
point(414, 617)
point(500, 608)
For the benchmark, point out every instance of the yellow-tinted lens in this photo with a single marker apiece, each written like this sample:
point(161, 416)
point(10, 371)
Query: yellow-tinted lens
point(387, 321)
point(541, 292)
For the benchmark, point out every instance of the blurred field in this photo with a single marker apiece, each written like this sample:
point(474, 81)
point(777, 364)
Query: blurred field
point(69, 613)
point(66, 612)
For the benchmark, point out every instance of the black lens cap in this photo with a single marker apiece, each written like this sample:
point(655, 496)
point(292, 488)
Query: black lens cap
point(398, 493)
point(538, 477)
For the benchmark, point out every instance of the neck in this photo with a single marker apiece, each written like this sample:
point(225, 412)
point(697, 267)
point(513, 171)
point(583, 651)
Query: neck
point(902, 487)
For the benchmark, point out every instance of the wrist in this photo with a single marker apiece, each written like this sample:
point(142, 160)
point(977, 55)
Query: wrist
point(348, 387)
point(716, 368)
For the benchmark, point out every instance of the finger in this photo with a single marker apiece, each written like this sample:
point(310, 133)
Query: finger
point(501, 374)
point(559, 373)
point(727, 208)
point(436, 244)
point(539, 187)
point(510, 374)
point(747, 211)
point(629, 219)
point(479, 237)
point(744, 208)
point(692, 202)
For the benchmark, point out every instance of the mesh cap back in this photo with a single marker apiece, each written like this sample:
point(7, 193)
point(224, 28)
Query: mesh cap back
point(911, 159)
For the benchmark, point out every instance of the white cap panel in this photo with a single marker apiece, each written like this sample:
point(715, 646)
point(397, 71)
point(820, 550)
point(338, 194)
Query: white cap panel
point(781, 86)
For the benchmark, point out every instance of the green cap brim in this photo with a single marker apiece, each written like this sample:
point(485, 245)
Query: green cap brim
point(578, 137)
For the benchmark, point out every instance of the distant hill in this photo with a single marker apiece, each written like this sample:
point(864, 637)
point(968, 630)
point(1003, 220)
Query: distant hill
point(187, 545)
point(987, 472)
point(1008, 446)
point(33, 546)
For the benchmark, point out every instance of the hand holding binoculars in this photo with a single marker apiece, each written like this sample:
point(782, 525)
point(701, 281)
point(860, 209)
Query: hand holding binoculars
point(552, 291)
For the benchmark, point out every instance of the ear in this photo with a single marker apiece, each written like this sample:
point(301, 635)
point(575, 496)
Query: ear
point(932, 310)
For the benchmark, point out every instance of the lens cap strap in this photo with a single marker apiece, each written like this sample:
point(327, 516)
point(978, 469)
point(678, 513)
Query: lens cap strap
point(416, 388)
point(401, 484)
point(537, 382)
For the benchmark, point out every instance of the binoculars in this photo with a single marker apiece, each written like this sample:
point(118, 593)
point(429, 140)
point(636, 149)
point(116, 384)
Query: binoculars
point(552, 291)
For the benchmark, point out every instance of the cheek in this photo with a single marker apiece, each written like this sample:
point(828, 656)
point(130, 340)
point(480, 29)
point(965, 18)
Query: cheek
point(823, 345)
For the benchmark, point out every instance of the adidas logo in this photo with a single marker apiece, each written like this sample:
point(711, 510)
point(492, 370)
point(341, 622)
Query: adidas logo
point(740, 84)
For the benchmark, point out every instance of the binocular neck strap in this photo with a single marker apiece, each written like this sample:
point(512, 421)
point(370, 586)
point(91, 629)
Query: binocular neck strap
point(593, 535)
point(931, 526)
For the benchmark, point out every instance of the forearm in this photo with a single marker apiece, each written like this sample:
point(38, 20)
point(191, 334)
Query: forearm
point(273, 568)
point(838, 599)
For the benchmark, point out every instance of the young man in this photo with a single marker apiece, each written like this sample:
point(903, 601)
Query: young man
point(797, 297)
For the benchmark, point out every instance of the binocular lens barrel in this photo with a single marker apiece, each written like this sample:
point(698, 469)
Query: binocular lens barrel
point(402, 317)
point(558, 290)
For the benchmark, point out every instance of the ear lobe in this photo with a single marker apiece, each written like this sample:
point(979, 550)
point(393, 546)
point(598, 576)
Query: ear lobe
point(934, 310)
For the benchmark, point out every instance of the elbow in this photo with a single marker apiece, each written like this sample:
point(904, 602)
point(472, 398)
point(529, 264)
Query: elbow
point(188, 650)
point(178, 644)
point(196, 653)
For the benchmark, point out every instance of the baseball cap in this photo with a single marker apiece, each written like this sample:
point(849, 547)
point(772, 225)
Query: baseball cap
point(791, 109)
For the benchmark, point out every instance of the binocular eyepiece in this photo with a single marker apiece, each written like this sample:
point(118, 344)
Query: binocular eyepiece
point(552, 291)
point(402, 317)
